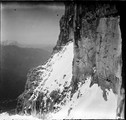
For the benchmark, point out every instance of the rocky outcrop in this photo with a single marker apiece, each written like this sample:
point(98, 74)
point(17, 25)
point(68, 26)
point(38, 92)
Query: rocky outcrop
point(66, 27)
point(98, 46)
point(94, 31)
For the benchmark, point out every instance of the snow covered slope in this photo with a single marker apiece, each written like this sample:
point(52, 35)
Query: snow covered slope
point(55, 86)
point(53, 99)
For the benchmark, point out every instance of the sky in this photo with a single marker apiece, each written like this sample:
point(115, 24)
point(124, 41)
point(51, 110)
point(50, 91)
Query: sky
point(29, 23)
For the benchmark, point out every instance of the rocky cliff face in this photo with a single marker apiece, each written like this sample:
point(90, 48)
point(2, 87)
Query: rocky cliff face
point(97, 44)
point(84, 72)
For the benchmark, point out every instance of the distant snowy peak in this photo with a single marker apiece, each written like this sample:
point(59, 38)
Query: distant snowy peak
point(10, 42)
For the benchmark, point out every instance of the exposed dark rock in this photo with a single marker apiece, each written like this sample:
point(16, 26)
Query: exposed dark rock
point(66, 27)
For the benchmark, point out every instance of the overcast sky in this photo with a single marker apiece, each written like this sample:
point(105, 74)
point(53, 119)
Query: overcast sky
point(31, 23)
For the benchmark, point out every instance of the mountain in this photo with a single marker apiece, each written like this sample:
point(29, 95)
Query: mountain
point(49, 92)
point(15, 64)
point(47, 47)
point(82, 78)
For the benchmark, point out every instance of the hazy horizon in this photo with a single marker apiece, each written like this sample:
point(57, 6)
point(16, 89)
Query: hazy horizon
point(31, 24)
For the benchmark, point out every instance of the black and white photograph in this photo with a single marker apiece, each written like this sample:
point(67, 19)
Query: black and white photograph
point(62, 60)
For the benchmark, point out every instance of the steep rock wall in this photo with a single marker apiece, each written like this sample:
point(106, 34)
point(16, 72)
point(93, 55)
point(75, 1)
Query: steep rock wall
point(66, 27)
point(95, 32)
point(98, 46)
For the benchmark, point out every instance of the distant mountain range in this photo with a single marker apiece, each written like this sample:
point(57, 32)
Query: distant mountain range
point(15, 62)
point(46, 47)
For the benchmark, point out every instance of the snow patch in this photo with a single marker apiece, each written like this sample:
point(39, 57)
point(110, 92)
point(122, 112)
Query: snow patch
point(91, 105)
point(6, 116)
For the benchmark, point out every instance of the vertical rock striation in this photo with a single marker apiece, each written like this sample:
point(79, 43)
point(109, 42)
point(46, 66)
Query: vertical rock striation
point(66, 27)
point(97, 45)
point(95, 33)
